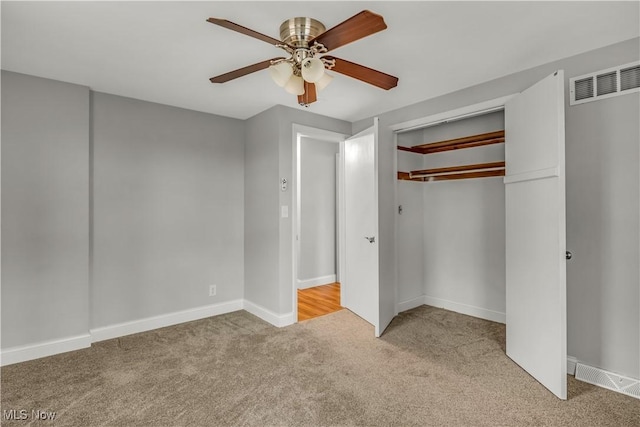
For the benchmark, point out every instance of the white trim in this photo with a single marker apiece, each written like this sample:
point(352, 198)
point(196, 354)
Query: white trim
point(23, 353)
point(469, 111)
point(164, 320)
point(316, 281)
point(409, 304)
point(469, 310)
point(279, 320)
point(571, 365)
point(49, 348)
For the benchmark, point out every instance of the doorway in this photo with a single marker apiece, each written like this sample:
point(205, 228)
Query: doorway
point(317, 225)
point(357, 223)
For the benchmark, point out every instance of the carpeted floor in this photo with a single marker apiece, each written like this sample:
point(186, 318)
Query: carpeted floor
point(431, 367)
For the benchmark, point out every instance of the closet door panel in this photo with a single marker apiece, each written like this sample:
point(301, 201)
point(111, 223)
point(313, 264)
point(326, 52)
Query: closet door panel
point(535, 233)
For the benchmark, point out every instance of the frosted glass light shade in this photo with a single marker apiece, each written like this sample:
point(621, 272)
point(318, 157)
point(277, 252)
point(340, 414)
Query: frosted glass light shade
point(281, 73)
point(324, 81)
point(312, 69)
point(295, 86)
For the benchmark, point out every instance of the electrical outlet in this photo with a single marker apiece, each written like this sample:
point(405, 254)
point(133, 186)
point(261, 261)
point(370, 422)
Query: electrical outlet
point(212, 290)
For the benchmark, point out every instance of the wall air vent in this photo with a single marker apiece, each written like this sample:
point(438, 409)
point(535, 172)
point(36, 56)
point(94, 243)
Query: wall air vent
point(584, 88)
point(605, 83)
point(630, 78)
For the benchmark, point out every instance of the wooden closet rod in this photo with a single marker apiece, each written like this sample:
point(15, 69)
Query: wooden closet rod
point(479, 170)
point(425, 173)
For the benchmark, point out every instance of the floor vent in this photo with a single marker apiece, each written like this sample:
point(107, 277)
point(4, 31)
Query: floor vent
point(602, 378)
point(605, 83)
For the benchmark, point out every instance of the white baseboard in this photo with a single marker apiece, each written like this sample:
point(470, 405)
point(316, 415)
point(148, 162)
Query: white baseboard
point(316, 281)
point(571, 365)
point(161, 321)
point(23, 353)
point(49, 348)
point(469, 310)
point(412, 303)
point(279, 320)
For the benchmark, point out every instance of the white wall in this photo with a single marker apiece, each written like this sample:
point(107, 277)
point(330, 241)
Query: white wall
point(410, 239)
point(464, 223)
point(603, 203)
point(317, 238)
point(45, 210)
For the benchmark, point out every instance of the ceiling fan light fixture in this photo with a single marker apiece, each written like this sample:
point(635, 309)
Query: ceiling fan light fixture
point(312, 69)
point(306, 41)
point(295, 85)
point(324, 81)
point(281, 73)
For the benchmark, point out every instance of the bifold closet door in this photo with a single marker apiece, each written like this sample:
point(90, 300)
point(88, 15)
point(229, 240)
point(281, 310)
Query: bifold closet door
point(535, 233)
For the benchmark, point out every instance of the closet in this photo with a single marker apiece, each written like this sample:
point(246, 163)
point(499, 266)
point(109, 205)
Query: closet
point(492, 247)
point(451, 223)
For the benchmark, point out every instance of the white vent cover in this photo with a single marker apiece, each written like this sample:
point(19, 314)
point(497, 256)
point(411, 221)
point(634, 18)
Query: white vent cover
point(602, 378)
point(605, 83)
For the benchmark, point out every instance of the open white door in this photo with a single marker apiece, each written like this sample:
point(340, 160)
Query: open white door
point(535, 233)
point(360, 290)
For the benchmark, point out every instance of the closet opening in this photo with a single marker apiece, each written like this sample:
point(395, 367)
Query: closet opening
point(451, 216)
point(493, 248)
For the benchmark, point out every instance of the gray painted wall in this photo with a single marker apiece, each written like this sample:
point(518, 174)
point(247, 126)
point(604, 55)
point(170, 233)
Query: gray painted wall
point(168, 206)
point(269, 279)
point(45, 210)
point(261, 223)
point(602, 207)
point(603, 211)
point(317, 209)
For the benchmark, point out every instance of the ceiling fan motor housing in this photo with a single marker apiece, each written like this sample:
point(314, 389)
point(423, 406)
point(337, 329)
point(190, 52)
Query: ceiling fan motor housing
point(298, 31)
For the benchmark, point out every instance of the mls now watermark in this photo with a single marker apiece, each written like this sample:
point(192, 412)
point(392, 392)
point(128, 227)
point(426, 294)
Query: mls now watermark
point(25, 415)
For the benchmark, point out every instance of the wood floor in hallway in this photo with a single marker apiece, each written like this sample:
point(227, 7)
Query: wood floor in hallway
point(318, 301)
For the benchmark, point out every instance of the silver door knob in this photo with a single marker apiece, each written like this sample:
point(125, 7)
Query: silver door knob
point(569, 255)
point(370, 239)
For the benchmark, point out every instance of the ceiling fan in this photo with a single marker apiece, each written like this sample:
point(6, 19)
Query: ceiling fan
point(306, 40)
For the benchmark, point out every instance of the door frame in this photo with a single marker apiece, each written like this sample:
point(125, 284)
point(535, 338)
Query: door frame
point(485, 107)
point(299, 132)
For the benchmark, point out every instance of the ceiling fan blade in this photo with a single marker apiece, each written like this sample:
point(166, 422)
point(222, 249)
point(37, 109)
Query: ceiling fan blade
point(365, 74)
point(244, 30)
point(361, 25)
point(222, 78)
point(309, 95)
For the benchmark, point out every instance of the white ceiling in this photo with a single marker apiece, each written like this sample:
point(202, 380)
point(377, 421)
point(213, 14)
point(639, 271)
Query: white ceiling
point(165, 52)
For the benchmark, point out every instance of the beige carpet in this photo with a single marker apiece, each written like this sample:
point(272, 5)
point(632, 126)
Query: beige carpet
point(432, 367)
